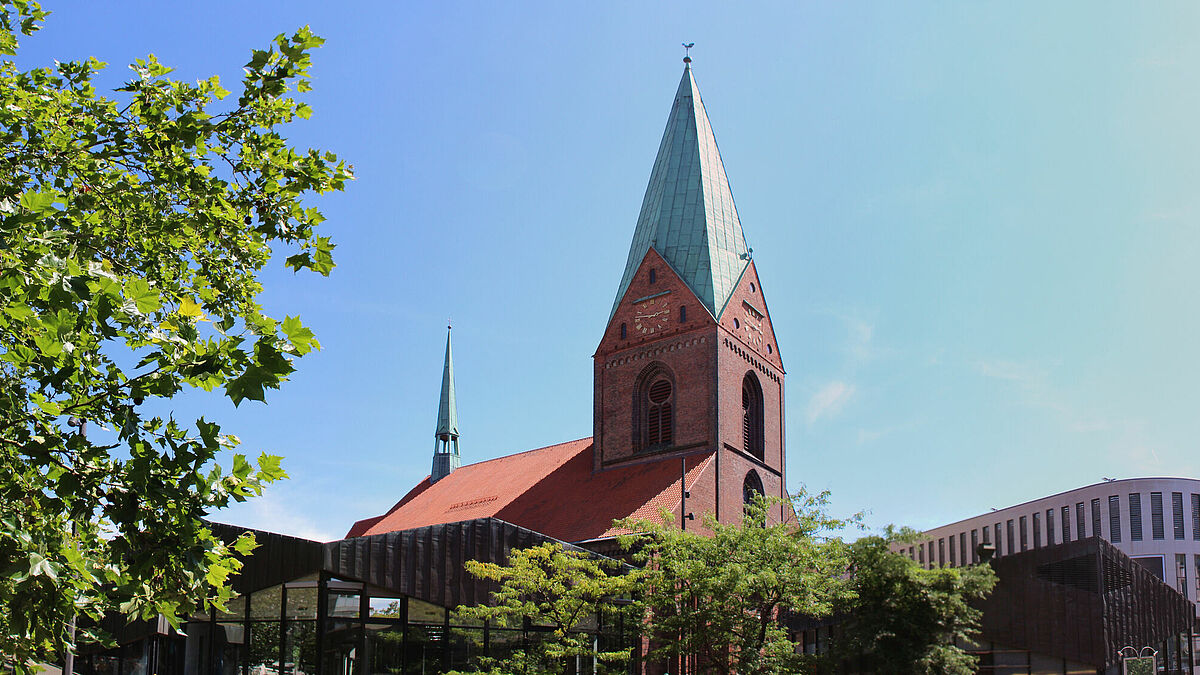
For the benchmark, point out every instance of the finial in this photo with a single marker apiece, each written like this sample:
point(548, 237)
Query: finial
point(687, 54)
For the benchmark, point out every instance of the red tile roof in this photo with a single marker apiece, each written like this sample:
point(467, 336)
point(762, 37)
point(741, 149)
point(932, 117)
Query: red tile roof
point(551, 490)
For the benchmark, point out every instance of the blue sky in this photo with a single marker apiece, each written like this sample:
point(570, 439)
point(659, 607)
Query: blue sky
point(977, 226)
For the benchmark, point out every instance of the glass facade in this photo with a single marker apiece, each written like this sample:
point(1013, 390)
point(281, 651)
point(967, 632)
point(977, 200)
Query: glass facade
point(322, 626)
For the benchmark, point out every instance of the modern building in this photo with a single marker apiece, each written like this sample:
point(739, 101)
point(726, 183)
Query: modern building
point(1154, 521)
point(1070, 608)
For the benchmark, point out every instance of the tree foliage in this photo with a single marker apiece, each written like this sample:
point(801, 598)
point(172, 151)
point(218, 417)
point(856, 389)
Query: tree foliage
point(718, 598)
point(904, 619)
point(558, 593)
point(133, 228)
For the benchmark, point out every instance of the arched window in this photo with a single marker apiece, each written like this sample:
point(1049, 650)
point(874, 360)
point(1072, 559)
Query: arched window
point(752, 416)
point(623, 332)
point(654, 406)
point(751, 486)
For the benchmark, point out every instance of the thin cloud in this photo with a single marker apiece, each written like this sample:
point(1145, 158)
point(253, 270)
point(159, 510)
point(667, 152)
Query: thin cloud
point(829, 400)
point(275, 511)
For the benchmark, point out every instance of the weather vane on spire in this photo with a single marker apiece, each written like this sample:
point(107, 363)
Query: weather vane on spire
point(687, 53)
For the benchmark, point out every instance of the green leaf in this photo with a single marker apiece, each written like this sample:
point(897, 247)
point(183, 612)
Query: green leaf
point(302, 339)
point(145, 298)
point(269, 468)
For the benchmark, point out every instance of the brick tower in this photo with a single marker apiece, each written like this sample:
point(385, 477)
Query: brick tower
point(688, 364)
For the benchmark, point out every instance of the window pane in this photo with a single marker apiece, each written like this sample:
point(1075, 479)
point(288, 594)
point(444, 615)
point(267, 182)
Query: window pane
point(264, 647)
point(466, 646)
point(1096, 531)
point(423, 650)
point(385, 648)
point(264, 604)
point(420, 611)
point(1080, 527)
point(386, 608)
point(1037, 530)
point(1051, 535)
point(301, 647)
point(343, 604)
point(341, 647)
point(1066, 522)
point(1023, 524)
point(230, 647)
point(302, 603)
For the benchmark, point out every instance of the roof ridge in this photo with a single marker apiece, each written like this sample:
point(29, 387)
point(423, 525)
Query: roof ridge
point(525, 452)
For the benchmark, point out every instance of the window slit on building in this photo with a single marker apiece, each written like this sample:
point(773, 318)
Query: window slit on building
point(952, 558)
point(1157, 530)
point(1023, 523)
point(1177, 514)
point(1114, 519)
point(975, 545)
point(1080, 525)
point(1050, 534)
point(1096, 531)
point(1135, 516)
point(1196, 519)
point(1066, 524)
point(1037, 529)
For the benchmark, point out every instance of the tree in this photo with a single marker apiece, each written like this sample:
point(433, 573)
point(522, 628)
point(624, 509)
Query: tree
point(132, 232)
point(557, 593)
point(904, 619)
point(719, 599)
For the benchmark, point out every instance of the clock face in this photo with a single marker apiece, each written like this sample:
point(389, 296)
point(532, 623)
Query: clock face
point(753, 326)
point(651, 316)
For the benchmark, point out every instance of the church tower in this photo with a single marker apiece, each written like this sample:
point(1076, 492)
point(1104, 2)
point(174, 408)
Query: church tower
point(445, 445)
point(688, 364)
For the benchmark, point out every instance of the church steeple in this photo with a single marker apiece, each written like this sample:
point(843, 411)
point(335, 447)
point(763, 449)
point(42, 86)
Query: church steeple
point(688, 215)
point(445, 446)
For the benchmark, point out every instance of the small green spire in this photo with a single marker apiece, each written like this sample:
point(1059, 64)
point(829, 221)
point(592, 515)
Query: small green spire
point(688, 214)
point(445, 445)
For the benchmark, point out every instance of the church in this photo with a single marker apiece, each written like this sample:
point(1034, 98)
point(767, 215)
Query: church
point(688, 419)
point(688, 379)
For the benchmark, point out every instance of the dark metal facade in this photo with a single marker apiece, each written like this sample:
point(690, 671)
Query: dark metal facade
point(1082, 601)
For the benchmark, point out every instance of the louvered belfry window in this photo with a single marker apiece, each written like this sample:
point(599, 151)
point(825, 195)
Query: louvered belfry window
point(658, 413)
point(752, 416)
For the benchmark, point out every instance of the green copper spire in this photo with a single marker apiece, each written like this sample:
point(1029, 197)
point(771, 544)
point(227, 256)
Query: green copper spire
point(445, 445)
point(688, 214)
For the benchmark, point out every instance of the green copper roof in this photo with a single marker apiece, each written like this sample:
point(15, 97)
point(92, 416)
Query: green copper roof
point(688, 214)
point(447, 409)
